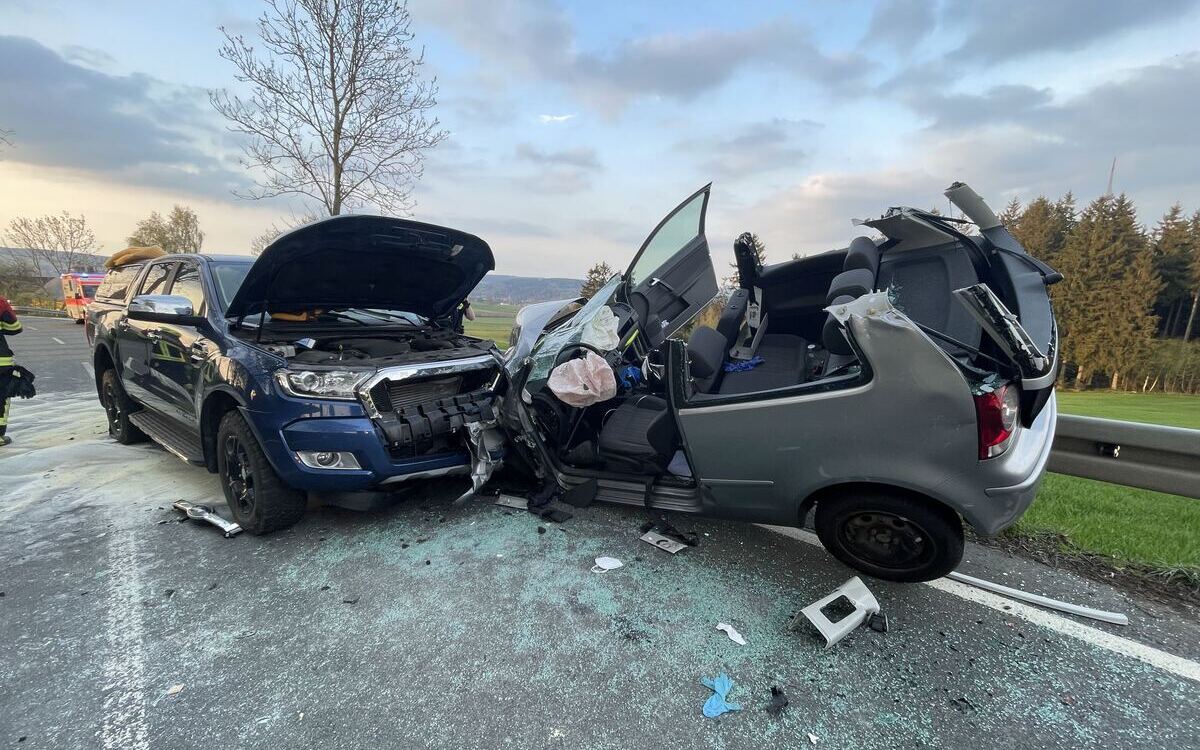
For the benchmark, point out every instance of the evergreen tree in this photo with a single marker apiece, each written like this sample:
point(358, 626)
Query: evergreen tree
point(1105, 303)
point(1191, 318)
point(597, 276)
point(1043, 226)
point(1011, 213)
point(1173, 252)
point(760, 251)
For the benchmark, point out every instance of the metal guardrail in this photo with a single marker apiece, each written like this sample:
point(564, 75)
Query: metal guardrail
point(39, 312)
point(1149, 456)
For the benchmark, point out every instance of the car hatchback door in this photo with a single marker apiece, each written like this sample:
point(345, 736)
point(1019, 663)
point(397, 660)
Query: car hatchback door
point(672, 277)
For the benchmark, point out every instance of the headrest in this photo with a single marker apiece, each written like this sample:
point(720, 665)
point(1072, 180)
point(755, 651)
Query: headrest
point(862, 253)
point(851, 284)
point(706, 352)
point(832, 335)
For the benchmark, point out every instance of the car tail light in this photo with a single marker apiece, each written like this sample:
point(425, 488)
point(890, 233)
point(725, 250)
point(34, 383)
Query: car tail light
point(997, 416)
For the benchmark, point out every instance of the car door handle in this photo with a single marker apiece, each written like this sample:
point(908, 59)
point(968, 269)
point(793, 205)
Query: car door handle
point(655, 281)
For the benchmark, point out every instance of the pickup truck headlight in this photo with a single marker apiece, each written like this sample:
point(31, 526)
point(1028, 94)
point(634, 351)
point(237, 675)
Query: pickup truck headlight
point(335, 384)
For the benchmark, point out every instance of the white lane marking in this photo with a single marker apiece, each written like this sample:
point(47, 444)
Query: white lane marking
point(1116, 644)
point(90, 370)
point(124, 723)
point(28, 327)
point(58, 340)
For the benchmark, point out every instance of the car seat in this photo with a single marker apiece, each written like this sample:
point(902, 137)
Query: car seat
point(639, 434)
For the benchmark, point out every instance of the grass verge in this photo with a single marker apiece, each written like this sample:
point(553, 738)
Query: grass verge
point(1096, 525)
point(1173, 409)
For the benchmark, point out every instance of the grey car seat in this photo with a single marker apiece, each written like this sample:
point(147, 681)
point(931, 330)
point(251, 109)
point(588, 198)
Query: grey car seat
point(639, 434)
point(857, 278)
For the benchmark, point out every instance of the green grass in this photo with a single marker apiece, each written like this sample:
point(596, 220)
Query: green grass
point(1172, 409)
point(1131, 525)
point(491, 322)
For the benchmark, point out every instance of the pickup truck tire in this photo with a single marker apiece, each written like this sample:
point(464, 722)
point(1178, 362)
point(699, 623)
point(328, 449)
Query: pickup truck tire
point(891, 535)
point(117, 407)
point(257, 497)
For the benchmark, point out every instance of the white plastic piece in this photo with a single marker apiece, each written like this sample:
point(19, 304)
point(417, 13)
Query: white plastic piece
point(604, 564)
point(583, 382)
point(731, 631)
point(512, 501)
point(868, 305)
point(856, 592)
point(812, 738)
point(1116, 618)
point(601, 331)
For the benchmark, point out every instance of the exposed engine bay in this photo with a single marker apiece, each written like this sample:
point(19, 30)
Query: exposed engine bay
point(383, 349)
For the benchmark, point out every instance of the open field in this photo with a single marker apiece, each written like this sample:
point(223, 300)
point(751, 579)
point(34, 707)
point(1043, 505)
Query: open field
point(492, 321)
point(1173, 409)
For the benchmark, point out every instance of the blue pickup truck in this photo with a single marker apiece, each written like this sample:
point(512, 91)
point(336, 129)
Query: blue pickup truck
point(328, 364)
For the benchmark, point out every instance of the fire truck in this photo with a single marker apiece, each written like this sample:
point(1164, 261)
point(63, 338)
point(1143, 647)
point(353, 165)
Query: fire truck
point(78, 290)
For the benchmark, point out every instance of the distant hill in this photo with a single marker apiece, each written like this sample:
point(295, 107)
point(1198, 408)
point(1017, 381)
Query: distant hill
point(523, 290)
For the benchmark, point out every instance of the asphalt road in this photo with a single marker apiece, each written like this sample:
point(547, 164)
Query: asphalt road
point(57, 352)
point(424, 625)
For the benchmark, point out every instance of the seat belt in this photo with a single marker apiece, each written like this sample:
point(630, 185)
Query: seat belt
point(756, 326)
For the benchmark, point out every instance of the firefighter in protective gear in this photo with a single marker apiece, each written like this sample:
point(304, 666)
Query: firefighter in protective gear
point(9, 326)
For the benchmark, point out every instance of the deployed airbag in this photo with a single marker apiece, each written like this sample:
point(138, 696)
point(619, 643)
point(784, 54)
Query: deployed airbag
point(583, 382)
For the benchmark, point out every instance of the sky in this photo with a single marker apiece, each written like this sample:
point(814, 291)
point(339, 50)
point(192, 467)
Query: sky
point(575, 126)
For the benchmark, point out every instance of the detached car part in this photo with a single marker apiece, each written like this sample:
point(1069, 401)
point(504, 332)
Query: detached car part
point(856, 593)
point(206, 513)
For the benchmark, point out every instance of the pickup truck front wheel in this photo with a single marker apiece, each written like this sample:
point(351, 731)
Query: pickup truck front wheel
point(257, 497)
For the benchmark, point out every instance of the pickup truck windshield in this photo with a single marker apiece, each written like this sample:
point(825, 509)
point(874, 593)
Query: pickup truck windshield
point(229, 278)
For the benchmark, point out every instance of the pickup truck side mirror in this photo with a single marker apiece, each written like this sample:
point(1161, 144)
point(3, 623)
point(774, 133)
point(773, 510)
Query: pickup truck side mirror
point(164, 308)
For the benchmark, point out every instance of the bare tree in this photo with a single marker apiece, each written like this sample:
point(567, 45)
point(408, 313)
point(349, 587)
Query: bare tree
point(6, 137)
point(260, 241)
point(59, 241)
point(337, 110)
point(179, 232)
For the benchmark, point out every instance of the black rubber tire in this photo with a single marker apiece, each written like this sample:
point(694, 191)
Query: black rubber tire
point(936, 529)
point(116, 408)
point(270, 504)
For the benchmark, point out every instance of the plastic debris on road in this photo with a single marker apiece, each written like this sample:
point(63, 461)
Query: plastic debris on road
point(604, 564)
point(731, 631)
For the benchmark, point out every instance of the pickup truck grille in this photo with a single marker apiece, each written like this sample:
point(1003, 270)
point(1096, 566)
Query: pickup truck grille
point(394, 395)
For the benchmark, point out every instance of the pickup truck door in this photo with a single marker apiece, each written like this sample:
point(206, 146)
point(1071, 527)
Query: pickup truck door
point(134, 337)
point(178, 352)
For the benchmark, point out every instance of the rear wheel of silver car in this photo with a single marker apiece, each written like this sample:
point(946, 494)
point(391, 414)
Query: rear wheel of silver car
point(893, 536)
point(258, 499)
point(117, 407)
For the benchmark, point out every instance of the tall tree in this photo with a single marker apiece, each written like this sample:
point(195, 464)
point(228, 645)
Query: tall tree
point(1105, 305)
point(1011, 213)
point(1043, 226)
point(597, 276)
point(179, 232)
point(1191, 320)
point(260, 241)
point(1173, 250)
point(337, 109)
point(59, 241)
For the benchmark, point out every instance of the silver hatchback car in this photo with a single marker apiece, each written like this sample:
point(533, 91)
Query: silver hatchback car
point(891, 389)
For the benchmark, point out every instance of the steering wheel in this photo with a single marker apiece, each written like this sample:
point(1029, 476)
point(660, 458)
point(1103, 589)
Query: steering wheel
point(571, 350)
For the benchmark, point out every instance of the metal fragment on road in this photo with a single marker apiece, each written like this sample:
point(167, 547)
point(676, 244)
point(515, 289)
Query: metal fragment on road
point(662, 542)
point(512, 501)
point(1116, 618)
point(206, 513)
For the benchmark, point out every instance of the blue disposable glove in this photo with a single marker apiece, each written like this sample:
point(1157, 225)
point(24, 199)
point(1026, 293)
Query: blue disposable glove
point(717, 703)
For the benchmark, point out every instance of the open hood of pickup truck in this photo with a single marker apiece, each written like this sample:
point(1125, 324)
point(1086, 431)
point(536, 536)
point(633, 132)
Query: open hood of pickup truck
point(367, 262)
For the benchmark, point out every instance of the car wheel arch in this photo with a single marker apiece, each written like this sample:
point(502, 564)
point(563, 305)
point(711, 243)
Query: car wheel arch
point(216, 405)
point(102, 361)
point(833, 491)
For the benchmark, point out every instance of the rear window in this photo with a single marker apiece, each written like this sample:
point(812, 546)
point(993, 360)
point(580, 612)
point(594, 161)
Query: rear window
point(116, 285)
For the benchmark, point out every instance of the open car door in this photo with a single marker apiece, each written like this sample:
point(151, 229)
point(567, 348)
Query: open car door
point(672, 277)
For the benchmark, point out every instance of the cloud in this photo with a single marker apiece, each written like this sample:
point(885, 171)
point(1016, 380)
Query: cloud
point(753, 150)
point(581, 158)
point(537, 39)
point(131, 128)
point(995, 32)
point(901, 24)
point(549, 119)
